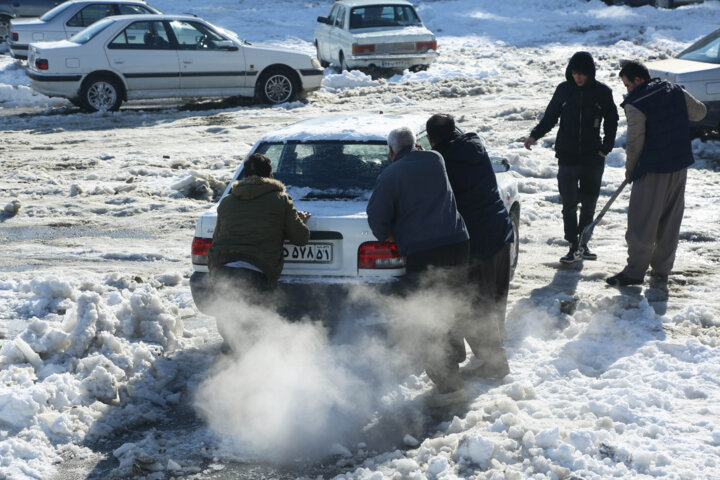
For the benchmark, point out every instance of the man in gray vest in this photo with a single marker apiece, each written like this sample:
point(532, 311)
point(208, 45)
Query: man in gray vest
point(658, 154)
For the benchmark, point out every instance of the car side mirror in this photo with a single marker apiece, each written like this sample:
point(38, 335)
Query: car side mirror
point(228, 45)
point(322, 20)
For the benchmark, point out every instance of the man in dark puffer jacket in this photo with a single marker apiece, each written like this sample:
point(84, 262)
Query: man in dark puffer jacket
point(582, 104)
point(491, 235)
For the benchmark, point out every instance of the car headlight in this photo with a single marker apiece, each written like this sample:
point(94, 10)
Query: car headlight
point(316, 63)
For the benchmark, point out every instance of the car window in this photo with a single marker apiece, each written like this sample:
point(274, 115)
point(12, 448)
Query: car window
point(133, 10)
point(142, 36)
point(89, 33)
point(50, 14)
point(333, 14)
point(328, 169)
point(194, 36)
point(383, 16)
point(706, 50)
point(90, 14)
point(340, 19)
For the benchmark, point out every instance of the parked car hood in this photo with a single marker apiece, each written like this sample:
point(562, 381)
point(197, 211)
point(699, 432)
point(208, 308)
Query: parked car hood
point(685, 70)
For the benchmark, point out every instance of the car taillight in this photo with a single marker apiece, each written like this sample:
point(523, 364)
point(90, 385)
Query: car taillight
point(425, 46)
point(199, 250)
point(363, 49)
point(379, 255)
point(14, 36)
point(41, 64)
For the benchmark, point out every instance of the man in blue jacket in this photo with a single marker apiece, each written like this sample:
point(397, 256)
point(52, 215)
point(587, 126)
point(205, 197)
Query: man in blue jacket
point(582, 104)
point(491, 234)
point(414, 206)
point(658, 155)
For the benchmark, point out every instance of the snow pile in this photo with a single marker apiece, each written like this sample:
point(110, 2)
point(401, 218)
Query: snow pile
point(348, 79)
point(88, 348)
point(199, 186)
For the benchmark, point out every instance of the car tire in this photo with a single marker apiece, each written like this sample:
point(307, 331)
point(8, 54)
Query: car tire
point(343, 64)
point(277, 85)
point(101, 93)
point(515, 246)
point(4, 28)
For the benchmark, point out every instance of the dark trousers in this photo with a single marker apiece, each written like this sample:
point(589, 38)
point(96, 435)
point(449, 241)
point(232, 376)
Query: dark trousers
point(441, 361)
point(240, 280)
point(578, 184)
point(490, 280)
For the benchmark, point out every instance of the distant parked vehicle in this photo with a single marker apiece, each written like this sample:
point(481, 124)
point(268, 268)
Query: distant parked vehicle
point(67, 19)
point(697, 68)
point(10, 9)
point(374, 34)
point(165, 56)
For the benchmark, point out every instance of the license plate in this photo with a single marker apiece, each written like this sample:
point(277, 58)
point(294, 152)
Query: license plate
point(310, 253)
point(395, 64)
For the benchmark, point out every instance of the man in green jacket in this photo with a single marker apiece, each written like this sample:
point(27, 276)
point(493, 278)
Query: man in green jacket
point(253, 222)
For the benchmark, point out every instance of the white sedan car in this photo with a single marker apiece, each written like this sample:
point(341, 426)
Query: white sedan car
point(372, 34)
point(165, 56)
point(329, 166)
point(67, 19)
point(697, 68)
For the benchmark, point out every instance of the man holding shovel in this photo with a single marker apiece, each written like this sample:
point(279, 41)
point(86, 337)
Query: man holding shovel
point(658, 154)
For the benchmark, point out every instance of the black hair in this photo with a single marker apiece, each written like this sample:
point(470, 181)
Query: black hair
point(440, 127)
point(634, 69)
point(258, 164)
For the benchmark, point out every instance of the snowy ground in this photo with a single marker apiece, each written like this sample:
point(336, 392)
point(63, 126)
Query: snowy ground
point(105, 354)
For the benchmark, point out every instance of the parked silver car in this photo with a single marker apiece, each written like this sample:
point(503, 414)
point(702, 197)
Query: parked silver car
point(10, 9)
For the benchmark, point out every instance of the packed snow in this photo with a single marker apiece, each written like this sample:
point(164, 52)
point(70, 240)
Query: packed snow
point(107, 369)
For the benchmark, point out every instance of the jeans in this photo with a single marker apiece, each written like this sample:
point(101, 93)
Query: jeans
point(578, 184)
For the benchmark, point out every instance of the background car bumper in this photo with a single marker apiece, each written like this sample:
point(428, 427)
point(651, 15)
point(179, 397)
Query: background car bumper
point(18, 51)
point(378, 61)
point(66, 86)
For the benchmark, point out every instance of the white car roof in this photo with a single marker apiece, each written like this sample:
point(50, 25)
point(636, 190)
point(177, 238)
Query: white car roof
point(363, 3)
point(361, 127)
point(138, 2)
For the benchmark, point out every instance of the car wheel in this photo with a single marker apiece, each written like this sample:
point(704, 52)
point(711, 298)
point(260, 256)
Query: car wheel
point(343, 64)
point(277, 85)
point(515, 246)
point(4, 28)
point(323, 63)
point(101, 93)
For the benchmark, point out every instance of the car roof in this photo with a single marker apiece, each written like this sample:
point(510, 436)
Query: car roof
point(343, 127)
point(108, 1)
point(362, 3)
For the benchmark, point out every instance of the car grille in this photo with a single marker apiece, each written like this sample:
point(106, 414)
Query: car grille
point(404, 47)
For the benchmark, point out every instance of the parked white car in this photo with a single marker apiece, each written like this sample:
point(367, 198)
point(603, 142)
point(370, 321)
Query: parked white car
point(67, 19)
point(372, 34)
point(329, 166)
point(697, 68)
point(165, 56)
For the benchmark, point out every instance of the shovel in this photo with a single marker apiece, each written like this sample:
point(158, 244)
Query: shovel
point(588, 231)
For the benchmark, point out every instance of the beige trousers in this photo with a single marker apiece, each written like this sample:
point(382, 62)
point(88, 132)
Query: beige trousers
point(657, 203)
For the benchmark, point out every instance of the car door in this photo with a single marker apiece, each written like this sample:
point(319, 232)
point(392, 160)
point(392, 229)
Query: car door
point(206, 60)
point(145, 55)
point(324, 43)
point(88, 15)
point(335, 34)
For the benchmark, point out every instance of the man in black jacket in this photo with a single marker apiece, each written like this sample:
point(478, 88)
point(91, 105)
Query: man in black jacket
point(491, 234)
point(582, 104)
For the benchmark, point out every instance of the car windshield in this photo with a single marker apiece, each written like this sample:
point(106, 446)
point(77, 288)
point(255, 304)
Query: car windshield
point(54, 12)
point(372, 16)
point(89, 33)
point(707, 49)
point(329, 169)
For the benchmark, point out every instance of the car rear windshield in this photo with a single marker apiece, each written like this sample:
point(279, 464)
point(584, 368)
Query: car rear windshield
point(54, 12)
point(383, 16)
point(89, 33)
point(328, 169)
point(707, 49)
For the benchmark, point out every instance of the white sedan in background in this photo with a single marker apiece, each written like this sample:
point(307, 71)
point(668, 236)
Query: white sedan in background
point(375, 35)
point(329, 166)
point(165, 56)
point(67, 19)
